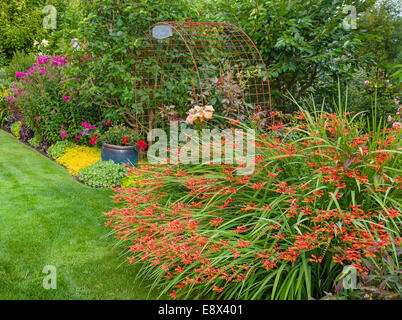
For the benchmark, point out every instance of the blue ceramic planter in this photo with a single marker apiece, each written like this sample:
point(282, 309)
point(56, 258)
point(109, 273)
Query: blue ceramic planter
point(120, 154)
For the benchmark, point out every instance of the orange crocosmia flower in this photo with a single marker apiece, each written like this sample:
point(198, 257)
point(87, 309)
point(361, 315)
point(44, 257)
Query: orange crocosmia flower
point(216, 221)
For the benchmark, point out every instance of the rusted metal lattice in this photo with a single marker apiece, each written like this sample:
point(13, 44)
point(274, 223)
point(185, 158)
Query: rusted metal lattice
point(183, 64)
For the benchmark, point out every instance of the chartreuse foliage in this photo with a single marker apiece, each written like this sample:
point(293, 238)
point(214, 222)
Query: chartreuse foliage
point(77, 158)
point(132, 181)
point(47, 218)
point(59, 148)
point(16, 128)
point(325, 193)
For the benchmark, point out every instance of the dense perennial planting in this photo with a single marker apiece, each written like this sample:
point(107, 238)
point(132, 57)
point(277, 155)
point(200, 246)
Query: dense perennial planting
point(48, 101)
point(324, 195)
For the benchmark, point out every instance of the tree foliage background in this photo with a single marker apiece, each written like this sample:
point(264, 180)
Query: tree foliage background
point(303, 42)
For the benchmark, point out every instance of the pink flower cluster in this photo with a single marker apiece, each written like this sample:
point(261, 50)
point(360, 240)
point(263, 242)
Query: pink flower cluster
point(63, 133)
point(37, 68)
point(396, 122)
point(19, 75)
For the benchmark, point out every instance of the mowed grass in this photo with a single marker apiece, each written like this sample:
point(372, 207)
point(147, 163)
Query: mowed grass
point(47, 218)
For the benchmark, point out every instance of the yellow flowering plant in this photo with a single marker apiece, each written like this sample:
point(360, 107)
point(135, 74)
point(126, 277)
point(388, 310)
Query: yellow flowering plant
point(77, 158)
point(4, 92)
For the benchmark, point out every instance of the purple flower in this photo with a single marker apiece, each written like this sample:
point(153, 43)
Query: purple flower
point(66, 98)
point(37, 117)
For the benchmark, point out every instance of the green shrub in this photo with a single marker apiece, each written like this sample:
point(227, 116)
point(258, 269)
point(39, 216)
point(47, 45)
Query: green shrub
point(59, 148)
point(20, 62)
point(119, 135)
point(104, 174)
point(35, 141)
point(16, 128)
point(111, 78)
point(20, 23)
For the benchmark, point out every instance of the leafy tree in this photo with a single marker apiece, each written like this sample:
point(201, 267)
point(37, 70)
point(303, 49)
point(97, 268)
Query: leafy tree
point(383, 37)
point(21, 23)
point(111, 32)
point(301, 41)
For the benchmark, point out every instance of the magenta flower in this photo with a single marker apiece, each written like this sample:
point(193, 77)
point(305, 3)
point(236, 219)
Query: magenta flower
point(20, 75)
point(66, 98)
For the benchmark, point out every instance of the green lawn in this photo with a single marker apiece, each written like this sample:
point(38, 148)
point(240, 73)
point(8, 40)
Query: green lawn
point(47, 218)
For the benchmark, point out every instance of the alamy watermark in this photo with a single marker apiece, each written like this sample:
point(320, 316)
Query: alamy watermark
point(349, 280)
point(227, 146)
point(50, 21)
point(349, 22)
point(50, 281)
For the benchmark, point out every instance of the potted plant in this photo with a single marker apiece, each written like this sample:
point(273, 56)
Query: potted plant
point(121, 145)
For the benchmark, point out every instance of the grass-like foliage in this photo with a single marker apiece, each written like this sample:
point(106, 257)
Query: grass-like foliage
point(325, 194)
point(103, 174)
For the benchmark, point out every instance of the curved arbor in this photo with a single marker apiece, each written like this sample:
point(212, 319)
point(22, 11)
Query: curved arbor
point(183, 64)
